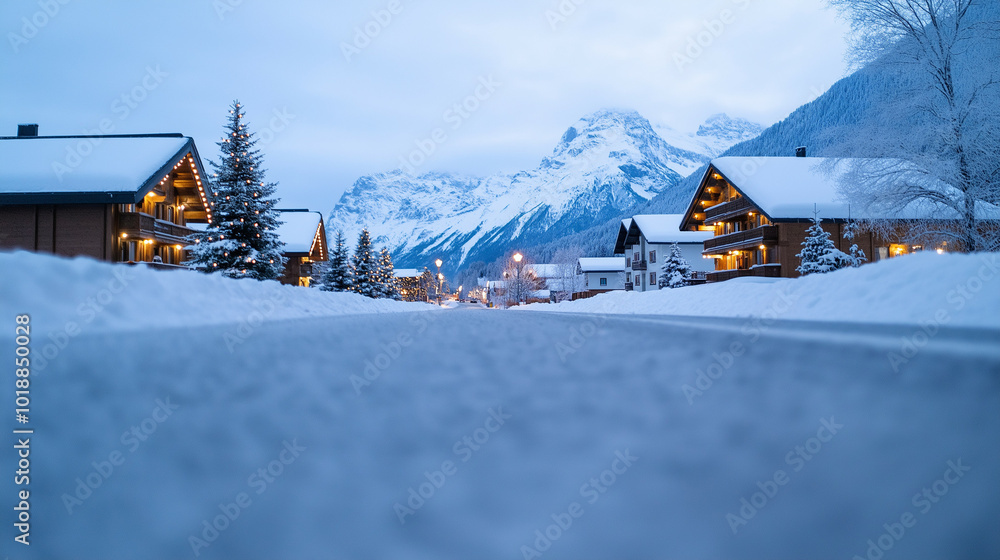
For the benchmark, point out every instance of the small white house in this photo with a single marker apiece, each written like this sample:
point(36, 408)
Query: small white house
point(602, 274)
point(645, 240)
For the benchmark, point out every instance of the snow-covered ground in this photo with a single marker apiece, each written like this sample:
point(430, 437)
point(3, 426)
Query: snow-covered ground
point(98, 296)
point(470, 433)
point(923, 287)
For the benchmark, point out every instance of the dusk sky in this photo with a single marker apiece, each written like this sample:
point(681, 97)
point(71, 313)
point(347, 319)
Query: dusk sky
point(341, 90)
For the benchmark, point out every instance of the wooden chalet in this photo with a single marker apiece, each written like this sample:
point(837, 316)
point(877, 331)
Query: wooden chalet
point(118, 198)
point(758, 211)
point(646, 241)
point(304, 237)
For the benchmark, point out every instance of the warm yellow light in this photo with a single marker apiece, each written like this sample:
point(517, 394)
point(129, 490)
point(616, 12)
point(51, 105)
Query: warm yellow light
point(439, 262)
point(762, 247)
point(440, 276)
point(940, 251)
point(518, 257)
point(124, 235)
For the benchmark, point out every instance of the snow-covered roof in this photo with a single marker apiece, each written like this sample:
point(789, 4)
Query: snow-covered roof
point(792, 187)
point(299, 230)
point(656, 228)
point(666, 228)
point(82, 169)
point(602, 264)
point(406, 273)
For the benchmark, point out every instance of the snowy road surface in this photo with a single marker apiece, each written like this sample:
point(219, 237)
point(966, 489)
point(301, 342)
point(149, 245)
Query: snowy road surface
point(490, 434)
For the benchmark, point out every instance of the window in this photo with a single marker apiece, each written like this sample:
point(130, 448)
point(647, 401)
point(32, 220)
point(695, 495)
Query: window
point(635, 257)
point(652, 278)
point(628, 277)
point(652, 256)
point(628, 262)
point(604, 281)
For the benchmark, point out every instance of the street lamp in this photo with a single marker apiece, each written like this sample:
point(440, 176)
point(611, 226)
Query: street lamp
point(439, 262)
point(518, 257)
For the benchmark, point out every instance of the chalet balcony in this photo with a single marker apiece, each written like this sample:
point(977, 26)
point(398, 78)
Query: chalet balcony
point(638, 265)
point(728, 210)
point(761, 271)
point(742, 239)
point(143, 226)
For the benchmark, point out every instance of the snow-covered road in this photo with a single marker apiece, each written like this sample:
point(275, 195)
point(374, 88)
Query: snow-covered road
point(488, 434)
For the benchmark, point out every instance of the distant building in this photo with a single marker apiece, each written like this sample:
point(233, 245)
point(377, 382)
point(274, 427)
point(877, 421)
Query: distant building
point(305, 244)
point(412, 286)
point(757, 211)
point(646, 241)
point(117, 198)
point(601, 274)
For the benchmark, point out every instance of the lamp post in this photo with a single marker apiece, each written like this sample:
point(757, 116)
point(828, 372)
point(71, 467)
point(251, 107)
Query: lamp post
point(439, 262)
point(518, 257)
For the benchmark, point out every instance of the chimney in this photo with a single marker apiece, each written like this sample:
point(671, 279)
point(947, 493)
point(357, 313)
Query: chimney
point(800, 151)
point(27, 130)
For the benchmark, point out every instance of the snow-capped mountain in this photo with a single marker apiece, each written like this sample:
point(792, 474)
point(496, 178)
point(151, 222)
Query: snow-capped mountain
point(604, 164)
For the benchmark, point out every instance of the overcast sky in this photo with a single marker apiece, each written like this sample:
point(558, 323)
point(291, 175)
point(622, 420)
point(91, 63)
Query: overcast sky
point(335, 105)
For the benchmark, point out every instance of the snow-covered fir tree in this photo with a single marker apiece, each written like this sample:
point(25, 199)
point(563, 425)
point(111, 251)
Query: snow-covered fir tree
point(387, 276)
point(819, 254)
point(676, 269)
point(242, 241)
point(337, 274)
point(366, 267)
point(858, 256)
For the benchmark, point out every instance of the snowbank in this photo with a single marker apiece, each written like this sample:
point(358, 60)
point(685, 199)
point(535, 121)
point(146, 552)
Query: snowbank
point(964, 289)
point(113, 297)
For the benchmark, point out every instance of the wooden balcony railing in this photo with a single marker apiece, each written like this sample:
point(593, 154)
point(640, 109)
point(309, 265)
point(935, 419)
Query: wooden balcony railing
point(729, 209)
point(144, 226)
point(753, 236)
point(629, 286)
point(638, 265)
point(765, 271)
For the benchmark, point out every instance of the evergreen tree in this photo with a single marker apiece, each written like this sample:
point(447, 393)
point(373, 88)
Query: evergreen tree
point(337, 276)
point(676, 269)
point(242, 241)
point(387, 276)
point(819, 254)
point(858, 256)
point(366, 281)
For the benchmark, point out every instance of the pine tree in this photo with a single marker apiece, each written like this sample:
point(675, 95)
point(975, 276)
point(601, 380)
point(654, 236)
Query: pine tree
point(676, 269)
point(387, 276)
point(365, 265)
point(242, 241)
point(819, 254)
point(337, 276)
point(858, 256)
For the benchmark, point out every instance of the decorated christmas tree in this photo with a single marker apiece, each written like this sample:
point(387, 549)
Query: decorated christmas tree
point(366, 267)
point(337, 275)
point(387, 276)
point(242, 241)
point(676, 269)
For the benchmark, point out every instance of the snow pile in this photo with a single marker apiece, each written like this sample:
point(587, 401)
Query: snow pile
point(965, 289)
point(60, 292)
